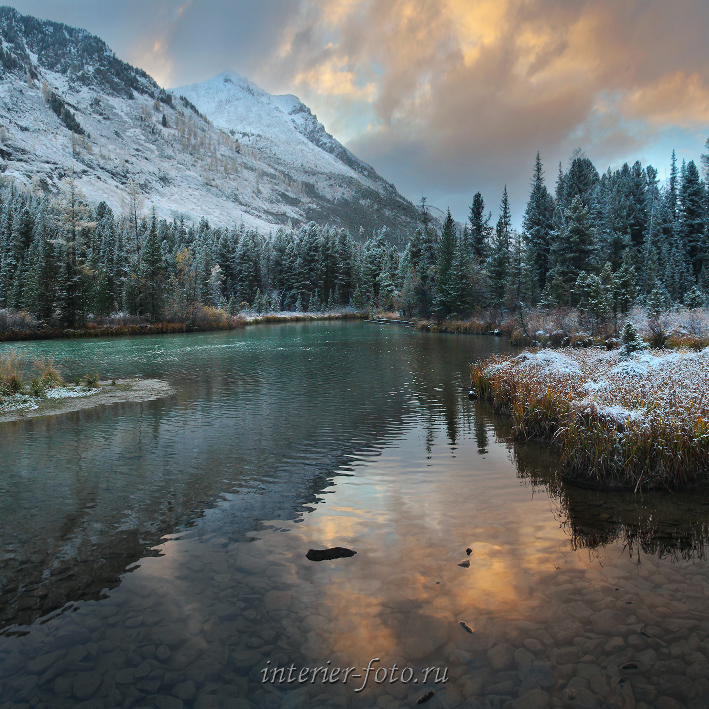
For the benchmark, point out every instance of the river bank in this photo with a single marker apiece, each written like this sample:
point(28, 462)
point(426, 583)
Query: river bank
point(620, 421)
point(222, 321)
point(67, 398)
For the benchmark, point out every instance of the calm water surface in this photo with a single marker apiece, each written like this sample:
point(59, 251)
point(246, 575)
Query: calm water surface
point(153, 555)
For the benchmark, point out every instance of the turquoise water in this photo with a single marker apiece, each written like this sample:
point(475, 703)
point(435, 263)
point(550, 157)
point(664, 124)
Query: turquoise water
point(154, 554)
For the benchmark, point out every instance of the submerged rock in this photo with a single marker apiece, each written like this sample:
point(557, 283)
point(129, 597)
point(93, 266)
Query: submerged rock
point(329, 554)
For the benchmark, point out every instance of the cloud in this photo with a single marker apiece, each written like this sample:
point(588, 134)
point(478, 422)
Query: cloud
point(461, 94)
point(444, 97)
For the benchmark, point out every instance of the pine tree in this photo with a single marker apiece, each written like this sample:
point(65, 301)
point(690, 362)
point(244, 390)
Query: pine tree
point(574, 250)
point(625, 285)
point(538, 224)
point(480, 229)
point(692, 217)
point(151, 272)
point(499, 262)
point(446, 257)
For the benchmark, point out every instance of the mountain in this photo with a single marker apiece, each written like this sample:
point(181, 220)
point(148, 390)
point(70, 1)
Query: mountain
point(223, 149)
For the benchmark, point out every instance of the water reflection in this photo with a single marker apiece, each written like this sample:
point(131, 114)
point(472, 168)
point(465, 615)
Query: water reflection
point(176, 534)
point(672, 525)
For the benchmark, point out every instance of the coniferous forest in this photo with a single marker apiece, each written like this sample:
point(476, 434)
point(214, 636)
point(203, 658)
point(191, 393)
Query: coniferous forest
point(599, 242)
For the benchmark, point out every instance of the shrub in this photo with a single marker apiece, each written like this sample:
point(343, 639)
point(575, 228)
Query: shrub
point(48, 374)
point(36, 387)
point(91, 380)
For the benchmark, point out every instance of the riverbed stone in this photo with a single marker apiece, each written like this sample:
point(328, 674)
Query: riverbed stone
point(534, 646)
point(422, 634)
point(523, 659)
point(143, 670)
point(245, 659)
point(85, 685)
point(277, 600)
point(125, 676)
point(565, 655)
point(536, 699)
point(540, 674)
point(607, 621)
point(614, 644)
point(501, 656)
point(41, 663)
point(185, 690)
point(674, 685)
point(564, 629)
point(166, 702)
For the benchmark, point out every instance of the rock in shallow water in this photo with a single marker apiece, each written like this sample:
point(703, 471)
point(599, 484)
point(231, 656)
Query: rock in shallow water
point(329, 554)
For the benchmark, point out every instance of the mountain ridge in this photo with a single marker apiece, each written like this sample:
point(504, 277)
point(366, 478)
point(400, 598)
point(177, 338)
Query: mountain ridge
point(68, 103)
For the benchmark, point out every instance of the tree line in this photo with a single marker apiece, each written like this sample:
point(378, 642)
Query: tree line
point(600, 242)
point(65, 261)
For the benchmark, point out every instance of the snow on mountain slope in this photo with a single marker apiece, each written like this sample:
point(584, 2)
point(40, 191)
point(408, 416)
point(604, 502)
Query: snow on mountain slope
point(281, 126)
point(68, 103)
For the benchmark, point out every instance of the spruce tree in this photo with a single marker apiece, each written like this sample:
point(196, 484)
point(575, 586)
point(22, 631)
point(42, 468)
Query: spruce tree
point(538, 223)
point(692, 217)
point(151, 272)
point(480, 228)
point(499, 262)
point(446, 257)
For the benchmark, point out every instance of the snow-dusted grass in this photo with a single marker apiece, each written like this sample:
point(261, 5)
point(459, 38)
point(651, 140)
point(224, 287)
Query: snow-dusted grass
point(17, 395)
point(296, 316)
point(636, 421)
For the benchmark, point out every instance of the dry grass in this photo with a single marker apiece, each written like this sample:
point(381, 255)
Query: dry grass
point(48, 373)
point(11, 373)
point(15, 370)
point(638, 422)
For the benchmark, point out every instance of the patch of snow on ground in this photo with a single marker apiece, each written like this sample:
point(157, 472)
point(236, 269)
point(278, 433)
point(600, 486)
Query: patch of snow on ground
point(18, 401)
point(550, 360)
point(69, 393)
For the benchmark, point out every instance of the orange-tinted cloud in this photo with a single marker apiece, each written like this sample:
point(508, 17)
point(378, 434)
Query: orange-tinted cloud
point(463, 92)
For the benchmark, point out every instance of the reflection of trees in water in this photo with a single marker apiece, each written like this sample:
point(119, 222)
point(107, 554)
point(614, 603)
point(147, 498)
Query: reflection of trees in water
point(118, 481)
point(439, 382)
point(669, 525)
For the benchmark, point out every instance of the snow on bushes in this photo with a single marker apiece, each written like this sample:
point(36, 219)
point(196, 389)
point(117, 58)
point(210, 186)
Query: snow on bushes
point(639, 420)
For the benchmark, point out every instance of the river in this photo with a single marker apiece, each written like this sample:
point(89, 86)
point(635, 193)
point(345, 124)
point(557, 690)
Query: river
point(154, 554)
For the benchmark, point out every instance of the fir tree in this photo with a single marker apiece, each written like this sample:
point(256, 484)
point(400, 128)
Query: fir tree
point(538, 223)
point(480, 229)
point(499, 262)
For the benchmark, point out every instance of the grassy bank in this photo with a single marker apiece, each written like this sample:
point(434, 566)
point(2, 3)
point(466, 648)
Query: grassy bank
point(570, 327)
point(284, 317)
point(19, 327)
point(30, 389)
point(637, 421)
point(16, 327)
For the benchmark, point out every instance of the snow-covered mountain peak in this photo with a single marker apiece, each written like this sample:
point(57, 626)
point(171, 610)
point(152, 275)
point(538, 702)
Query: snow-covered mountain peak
point(228, 150)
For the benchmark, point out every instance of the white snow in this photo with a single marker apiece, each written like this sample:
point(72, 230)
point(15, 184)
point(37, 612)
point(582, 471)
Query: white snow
point(549, 360)
point(288, 167)
point(651, 387)
point(69, 392)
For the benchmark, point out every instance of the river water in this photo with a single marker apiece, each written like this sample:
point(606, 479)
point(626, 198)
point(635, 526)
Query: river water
point(154, 554)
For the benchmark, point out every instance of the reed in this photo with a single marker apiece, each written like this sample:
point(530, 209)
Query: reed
point(620, 422)
point(11, 373)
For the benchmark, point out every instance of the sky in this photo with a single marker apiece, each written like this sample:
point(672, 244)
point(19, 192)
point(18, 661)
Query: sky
point(444, 98)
